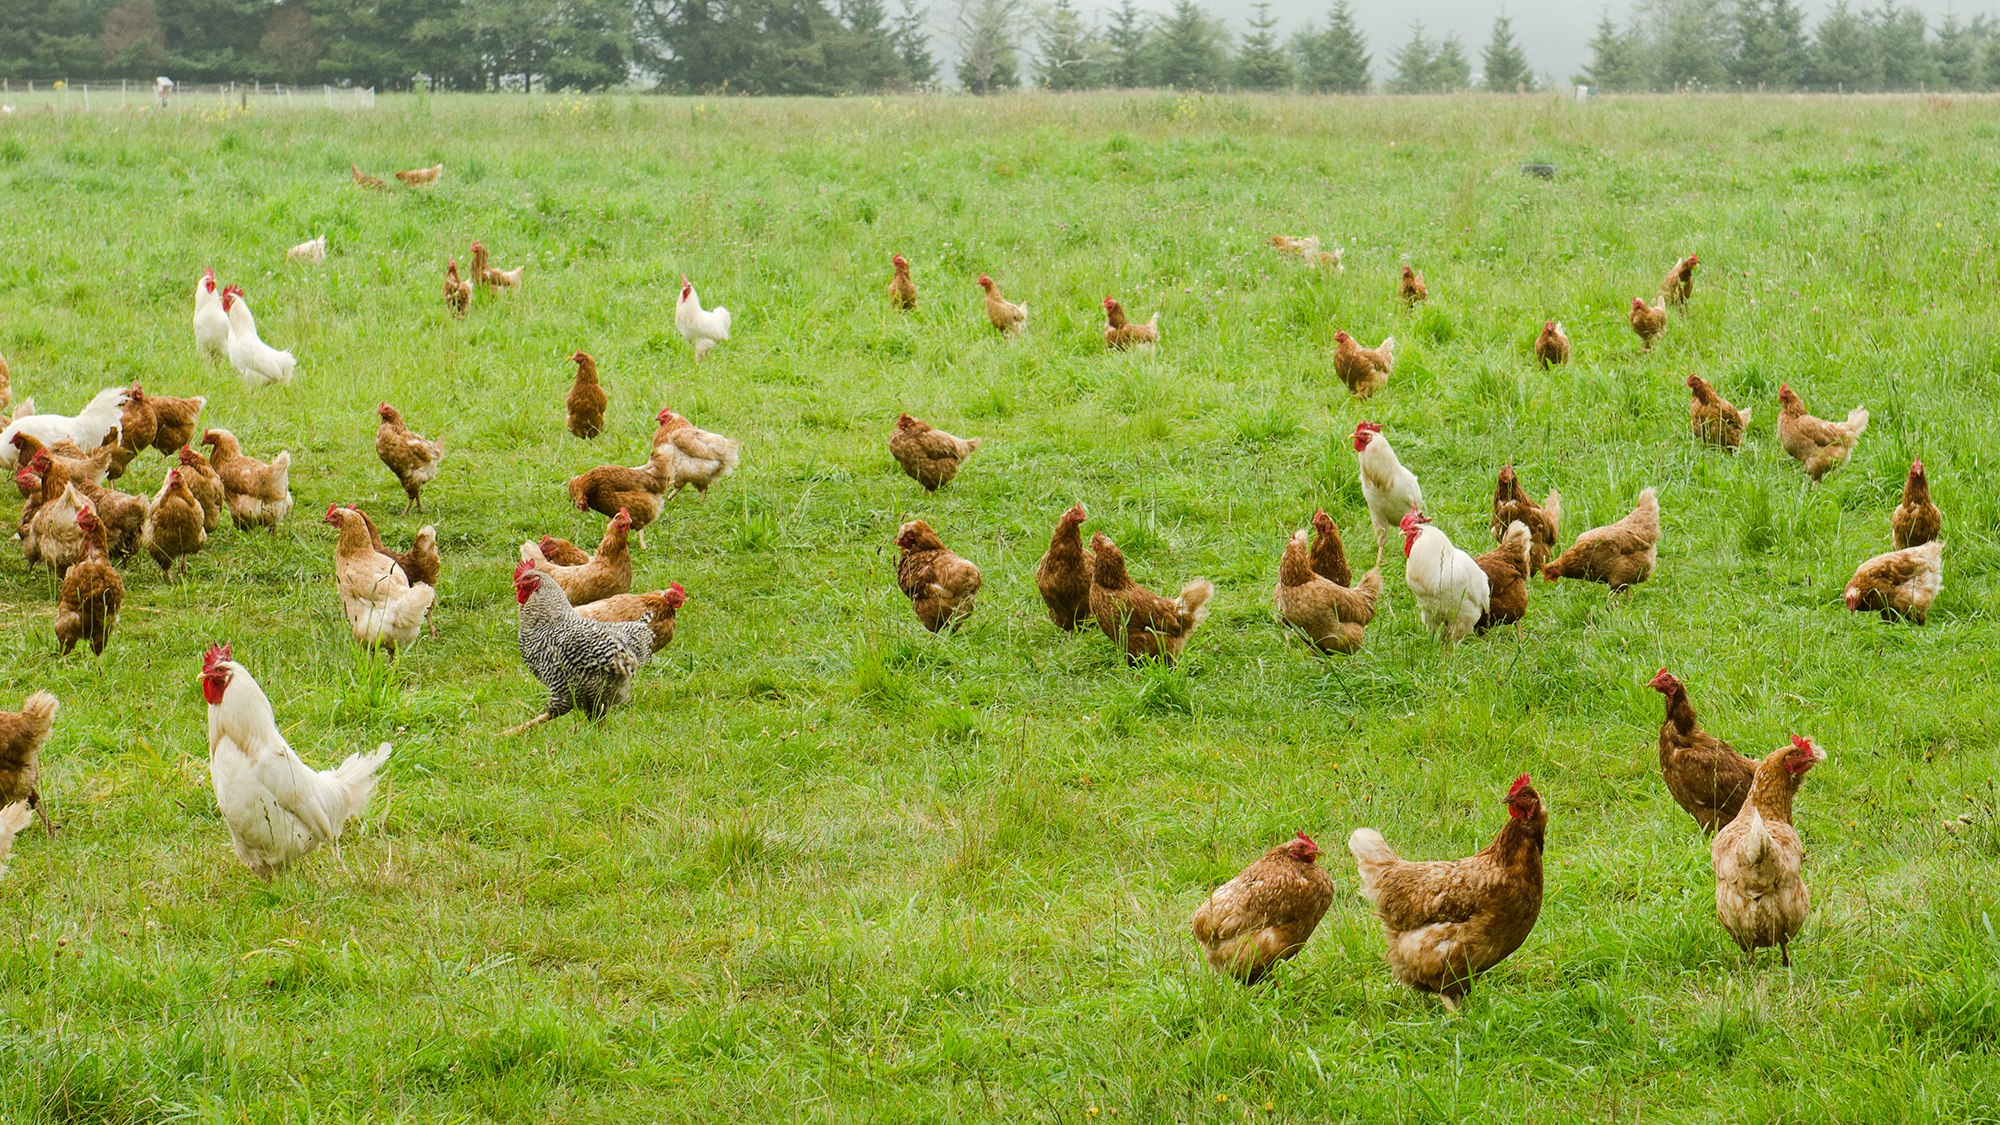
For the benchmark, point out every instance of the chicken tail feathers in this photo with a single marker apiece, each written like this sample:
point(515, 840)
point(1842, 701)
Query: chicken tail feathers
point(1194, 600)
point(357, 777)
point(1387, 347)
point(1858, 419)
point(1372, 855)
point(1553, 505)
point(40, 707)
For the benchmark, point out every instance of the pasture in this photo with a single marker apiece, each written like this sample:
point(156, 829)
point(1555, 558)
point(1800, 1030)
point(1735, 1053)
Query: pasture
point(828, 866)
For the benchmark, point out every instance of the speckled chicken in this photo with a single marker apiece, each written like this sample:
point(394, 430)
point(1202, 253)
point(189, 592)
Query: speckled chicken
point(585, 664)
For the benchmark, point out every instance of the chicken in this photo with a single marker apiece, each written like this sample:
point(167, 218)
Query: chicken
point(23, 733)
point(1917, 521)
point(562, 552)
point(1412, 289)
point(1295, 247)
point(1678, 285)
point(6, 385)
point(86, 468)
point(406, 454)
point(701, 328)
point(136, 429)
point(1137, 620)
point(1011, 319)
point(175, 421)
point(1265, 914)
point(259, 364)
point(1649, 321)
point(278, 810)
point(420, 177)
point(930, 456)
point(211, 323)
point(53, 538)
point(606, 574)
point(1332, 616)
point(1711, 417)
point(313, 250)
point(206, 484)
point(1900, 583)
point(1390, 489)
point(1063, 576)
point(1122, 335)
point(87, 607)
point(1818, 445)
point(1618, 555)
point(1760, 896)
point(420, 564)
point(123, 515)
point(584, 663)
point(1447, 921)
point(257, 494)
point(1552, 346)
point(941, 585)
point(488, 277)
point(1326, 258)
point(1706, 775)
point(638, 490)
point(694, 456)
point(587, 399)
point(383, 608)
point(1328, 556)
point(366, 180)
point(457, 291)
point(1364, 370)
point(902, 291)
point(97, 423)
point(13, 818)
point(658, 609)
point(174, 527)
point(1507, 568)
point(1452, 592)
point(1544, 520)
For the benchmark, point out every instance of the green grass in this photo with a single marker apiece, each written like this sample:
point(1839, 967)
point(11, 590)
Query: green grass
point(830, 867)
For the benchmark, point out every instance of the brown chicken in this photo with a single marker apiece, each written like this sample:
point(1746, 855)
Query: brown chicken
point(930, 456)
point(420, 177)
point(694, 455)
point(174, 526)
point(457, 291)
point(1552, 346)
point(259, 495)
point(1063, 577)
point(487, 276)
point(23, 733)
point(1011, 319)
point(1917, 521)
point(605, 574)
point(1544, 520)
point(74, 462)
point(92, 592)
point(1507, 568)
point(174, 421)
point(1618, 555)
point(587, 399)
point(1137, 620)
point(1266, 914)
point(1712, 418)
point(1330, 614)
point(136, 428)
point(1412, 289)
point(662, 604)
point(902, 291)
point(1899, 584)
point(562, 552)
point(1759, 860)
point(421, 564)
point(1649, 321)
point(1288, 245)
point(123, 516)
point(206, 484)
point(1818, 445)
point(1706, 775)
point(639, 490)
point(1364, 370)
point(1121, 335)
point(366, 180)
point(406, 454)
point(1447, 921)
point(940, 585)
point(50, 536)
point(1678, 285)
point(1329, 556)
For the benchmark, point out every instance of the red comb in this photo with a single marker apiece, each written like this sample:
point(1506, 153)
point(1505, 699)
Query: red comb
point(1520, 783)
point(216, 655)
point(1801, 742)
point(525, 568)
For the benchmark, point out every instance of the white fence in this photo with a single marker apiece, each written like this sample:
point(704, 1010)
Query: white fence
point(19, 97)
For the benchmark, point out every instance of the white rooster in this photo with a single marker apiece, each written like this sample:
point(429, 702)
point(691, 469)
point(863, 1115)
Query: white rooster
point(259, 363)
point(211, 324)
point(1451, 589)
point(702, 328)
point(98, 422)
point(277, 808)
point(1390, 489)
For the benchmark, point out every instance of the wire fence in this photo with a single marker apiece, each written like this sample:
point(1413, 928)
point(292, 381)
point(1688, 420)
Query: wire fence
point(21, 97)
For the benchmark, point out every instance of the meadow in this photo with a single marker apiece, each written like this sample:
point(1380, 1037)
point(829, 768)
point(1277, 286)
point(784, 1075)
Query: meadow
point(829, 867)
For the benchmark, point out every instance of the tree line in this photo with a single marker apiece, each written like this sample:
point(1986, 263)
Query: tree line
point(819, 47)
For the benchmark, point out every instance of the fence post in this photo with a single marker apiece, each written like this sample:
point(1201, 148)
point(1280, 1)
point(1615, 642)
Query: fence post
point(86, 97)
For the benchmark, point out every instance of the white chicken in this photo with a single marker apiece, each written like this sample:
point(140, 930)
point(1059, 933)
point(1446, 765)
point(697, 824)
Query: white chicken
point(313, 250)
point(383, 609)
point(702, 328)
point(259, 363)
point(1451, 588)
point(277, 808)
point(98, 423)
point(211, 324)
point(1390, 489)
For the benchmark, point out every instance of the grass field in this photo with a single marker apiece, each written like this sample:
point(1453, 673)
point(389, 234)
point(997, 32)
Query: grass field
point(830, 867)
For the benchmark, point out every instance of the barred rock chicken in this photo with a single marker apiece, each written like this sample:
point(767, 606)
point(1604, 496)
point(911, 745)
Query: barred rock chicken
point(638, 490)
point(136, 428)
point(1011, 319)
point(259, 495)
point(694, 456)
point(1678, 285)
point(206, 484)
point(902, 291)
point(420, 177)
point(1451, 590)
point(1063, 576)
point(1648, 321)
point(406, 454)
point(941, 585)
point(1266, 914)
point(1618, 555)
point(1447, 921)
point(1332, 616)
point(457, 291)
point(1552, 346)
point(1328, 556)
point(1712, 418)
point(587, 399)
point(1390, 489)
point(174, 527)
point(211, 323)
point(1121, 335)
point(420, 564)
point(701, 328)
point(930, 456)
point(277, 808)
point(1411, 289)
point(1917, 521)
point(23, 733)
point(489, 277)
point(1507, 570)
point(1899, 584)
point(1544, 520)
point(658, 609)
point(92, 592)
point(175, 421)
point(1137, 620)
point(1760, 894)
point(1706, 775)
point(1364, 370)
point(584, 664)
point(383, 608)
point(606, 574)
point(13, 818)
point(256, 362)
point(1818, 445)
point(374, 183)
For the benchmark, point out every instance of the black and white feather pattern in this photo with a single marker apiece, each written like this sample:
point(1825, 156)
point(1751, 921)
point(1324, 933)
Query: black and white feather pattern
point(584, 664)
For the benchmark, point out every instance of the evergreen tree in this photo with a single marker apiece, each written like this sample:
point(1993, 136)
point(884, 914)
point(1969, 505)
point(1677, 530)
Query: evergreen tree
point(290, 46)
point(1790, 50)
point(1414, 63)
point(217, 40)
point(1451, 69)
point(589, 44)
point(1615, 62)
point(1690, 42)
point(1334, 59)
point(1843, 55)
point(1125, 44)
point(1069, 50)
point(1261, 63)
point(1901, 45)
point(133, 45)
point(913, 46)
point(987, 62)
point(866, 56)
point(1187, 49)
point(1749, 63)
point(1956, 56)
point(1504, 66)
